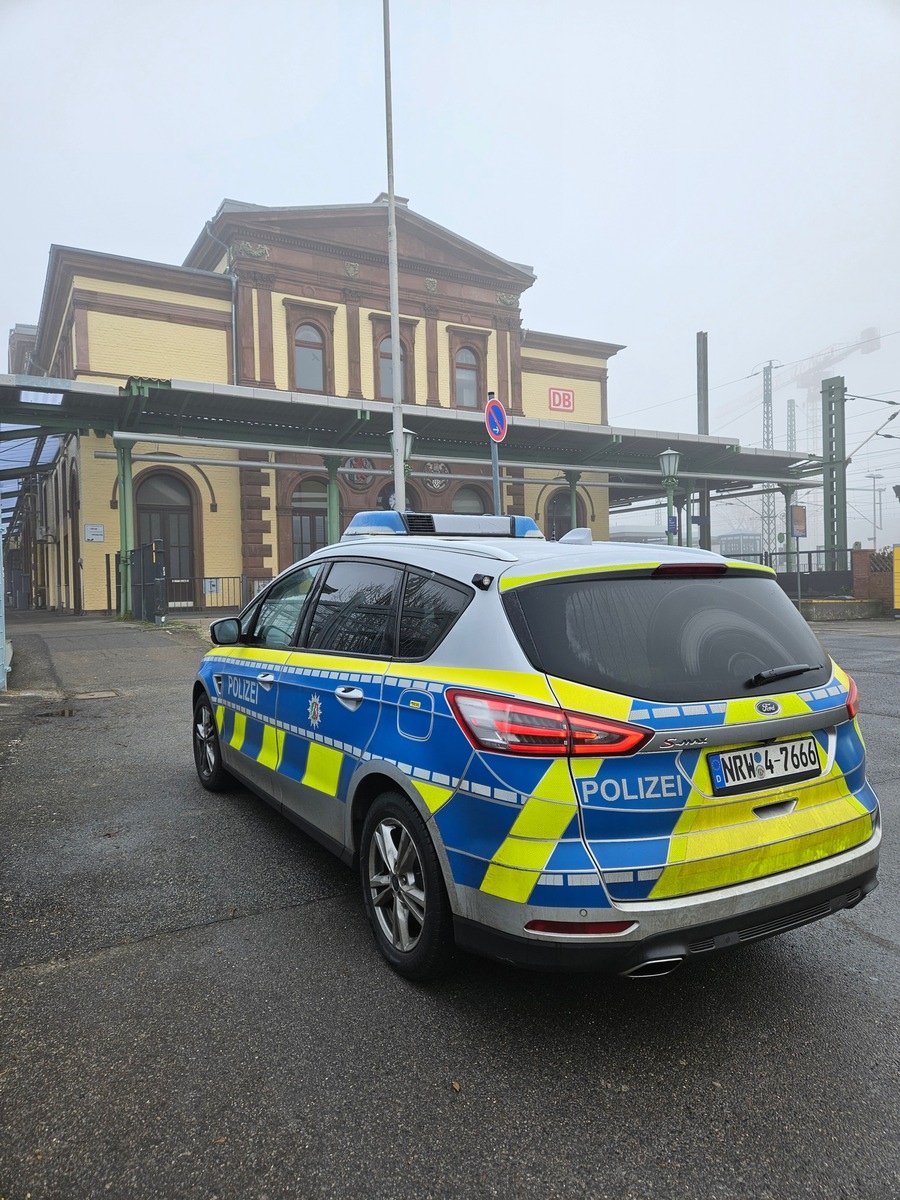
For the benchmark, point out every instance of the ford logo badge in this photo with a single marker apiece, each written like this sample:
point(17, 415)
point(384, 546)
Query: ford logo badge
point(768, 708)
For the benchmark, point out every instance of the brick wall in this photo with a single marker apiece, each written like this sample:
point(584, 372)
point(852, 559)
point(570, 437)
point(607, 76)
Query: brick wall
point(869, 584)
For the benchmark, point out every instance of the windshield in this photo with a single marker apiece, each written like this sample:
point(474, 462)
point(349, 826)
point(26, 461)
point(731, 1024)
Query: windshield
point(675, 640)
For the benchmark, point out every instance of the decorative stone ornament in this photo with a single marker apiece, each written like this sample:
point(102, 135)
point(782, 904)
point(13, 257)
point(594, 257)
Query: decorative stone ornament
point(439, 479)
point(248, 250)
point(359, 473)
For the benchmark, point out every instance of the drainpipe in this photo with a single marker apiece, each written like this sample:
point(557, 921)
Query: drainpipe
point(231, 275)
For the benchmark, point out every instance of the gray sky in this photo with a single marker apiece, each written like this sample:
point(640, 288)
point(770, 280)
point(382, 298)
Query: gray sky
point(665, 167)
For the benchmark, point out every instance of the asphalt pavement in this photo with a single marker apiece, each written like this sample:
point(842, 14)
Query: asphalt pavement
point(192, 1005)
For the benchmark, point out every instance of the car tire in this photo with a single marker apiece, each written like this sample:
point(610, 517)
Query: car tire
point(403, 889)
point(207, 752)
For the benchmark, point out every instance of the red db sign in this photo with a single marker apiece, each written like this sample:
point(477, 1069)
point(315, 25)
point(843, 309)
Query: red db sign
point(562, 400)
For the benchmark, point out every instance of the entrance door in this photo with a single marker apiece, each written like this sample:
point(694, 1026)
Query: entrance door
point(165, 514)
point(559, 515)
point(309, 518)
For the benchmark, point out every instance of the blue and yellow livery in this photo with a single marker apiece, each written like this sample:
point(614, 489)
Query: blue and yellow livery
point(565, 754)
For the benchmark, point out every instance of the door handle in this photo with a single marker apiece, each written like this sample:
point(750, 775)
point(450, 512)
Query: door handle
point(350, 697)
point(266, 679)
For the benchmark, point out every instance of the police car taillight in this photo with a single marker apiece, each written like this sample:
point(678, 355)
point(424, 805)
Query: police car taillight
point(852, 699)
point(507, 726)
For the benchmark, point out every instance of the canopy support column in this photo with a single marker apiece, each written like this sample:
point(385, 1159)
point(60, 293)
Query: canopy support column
point(333, 499)
point(572, 478)
point(126, 526)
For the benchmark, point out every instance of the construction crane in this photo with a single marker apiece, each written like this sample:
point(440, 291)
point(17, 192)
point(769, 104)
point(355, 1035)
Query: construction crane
point(806, 375)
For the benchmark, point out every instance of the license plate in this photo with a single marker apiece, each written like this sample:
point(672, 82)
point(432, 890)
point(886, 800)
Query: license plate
point(763, 766)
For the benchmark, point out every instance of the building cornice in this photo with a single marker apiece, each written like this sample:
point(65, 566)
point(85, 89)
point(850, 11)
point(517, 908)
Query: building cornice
point(533, 339)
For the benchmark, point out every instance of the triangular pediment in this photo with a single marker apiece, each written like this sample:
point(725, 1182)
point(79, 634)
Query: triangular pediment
point(350, 229)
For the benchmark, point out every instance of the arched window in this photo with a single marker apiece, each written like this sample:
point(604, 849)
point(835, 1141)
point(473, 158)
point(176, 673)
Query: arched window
point(469, 500)
point(309, 359)
point(466, 384)
point(558, 519)
point(309, 518)
point(385, 371)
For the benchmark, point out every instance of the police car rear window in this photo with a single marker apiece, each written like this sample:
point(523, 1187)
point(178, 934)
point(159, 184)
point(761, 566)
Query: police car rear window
point(430, 607)
point(668, 639)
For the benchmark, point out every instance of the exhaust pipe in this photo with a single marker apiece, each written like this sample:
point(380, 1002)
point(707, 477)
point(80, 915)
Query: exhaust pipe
point(654, 968)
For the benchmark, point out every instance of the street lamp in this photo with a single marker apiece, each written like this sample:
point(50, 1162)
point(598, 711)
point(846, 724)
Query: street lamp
point(668, 466)
point(405, 453)
point(874, 512)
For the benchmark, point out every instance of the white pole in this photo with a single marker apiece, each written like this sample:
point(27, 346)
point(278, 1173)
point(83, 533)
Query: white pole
point(393, 279)
point(2, 620)
point(875, 526)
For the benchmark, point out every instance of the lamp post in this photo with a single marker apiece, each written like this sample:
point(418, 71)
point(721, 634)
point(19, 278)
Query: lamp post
point(393, 272)
point(874, 511)
point(406, 445)
point(668, 466)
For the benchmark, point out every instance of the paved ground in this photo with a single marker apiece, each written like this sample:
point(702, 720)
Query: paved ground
point(191, 1004)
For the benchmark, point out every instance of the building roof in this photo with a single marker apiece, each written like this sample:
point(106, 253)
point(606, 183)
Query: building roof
point(322, 226)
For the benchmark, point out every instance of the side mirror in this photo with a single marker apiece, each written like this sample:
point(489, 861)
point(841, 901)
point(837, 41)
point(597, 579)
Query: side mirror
point(226, 631)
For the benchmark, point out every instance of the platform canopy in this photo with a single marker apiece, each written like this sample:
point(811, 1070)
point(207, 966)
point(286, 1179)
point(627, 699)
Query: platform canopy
point(39, 408)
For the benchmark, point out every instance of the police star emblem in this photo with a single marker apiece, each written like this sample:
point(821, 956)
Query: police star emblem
point(315, 711)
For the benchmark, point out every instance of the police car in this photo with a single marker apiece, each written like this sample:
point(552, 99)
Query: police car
point(567, 754)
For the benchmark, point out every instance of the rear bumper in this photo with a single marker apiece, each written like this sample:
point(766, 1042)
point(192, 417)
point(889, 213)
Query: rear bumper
point(660, 953)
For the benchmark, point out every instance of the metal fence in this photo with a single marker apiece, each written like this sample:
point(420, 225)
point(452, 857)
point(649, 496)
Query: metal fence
point(808, 562)
point(212, 592)
point(813, 574)
point(154, 594)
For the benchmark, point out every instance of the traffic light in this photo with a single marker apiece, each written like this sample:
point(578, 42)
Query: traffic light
point(897, 490)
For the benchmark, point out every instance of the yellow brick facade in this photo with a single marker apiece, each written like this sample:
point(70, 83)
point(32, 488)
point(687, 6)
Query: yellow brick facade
point(536, 397)
point(157, 349)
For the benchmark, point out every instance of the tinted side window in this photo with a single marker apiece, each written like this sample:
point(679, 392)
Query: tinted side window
point(354, 613)
point(430, 607)
point(279, 612)
point(676, 640)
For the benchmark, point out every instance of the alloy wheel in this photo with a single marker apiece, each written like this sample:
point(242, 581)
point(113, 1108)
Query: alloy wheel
point(397, 884)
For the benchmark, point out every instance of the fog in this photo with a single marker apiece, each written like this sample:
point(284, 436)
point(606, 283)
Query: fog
point(665, 168)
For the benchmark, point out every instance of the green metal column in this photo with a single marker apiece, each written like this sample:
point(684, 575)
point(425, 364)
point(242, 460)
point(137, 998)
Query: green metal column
point(670, 509)
point(572, 478)
point(834, 475)
point(688, 517)
point(126, 526)
point(333, 497)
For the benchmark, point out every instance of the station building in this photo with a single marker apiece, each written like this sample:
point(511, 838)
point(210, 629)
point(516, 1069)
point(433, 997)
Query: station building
point(294, 301)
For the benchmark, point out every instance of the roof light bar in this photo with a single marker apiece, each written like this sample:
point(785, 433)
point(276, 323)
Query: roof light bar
point(379, 523)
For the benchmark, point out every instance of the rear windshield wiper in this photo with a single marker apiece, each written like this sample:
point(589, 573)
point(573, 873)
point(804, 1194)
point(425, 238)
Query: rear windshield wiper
point(781, 673)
